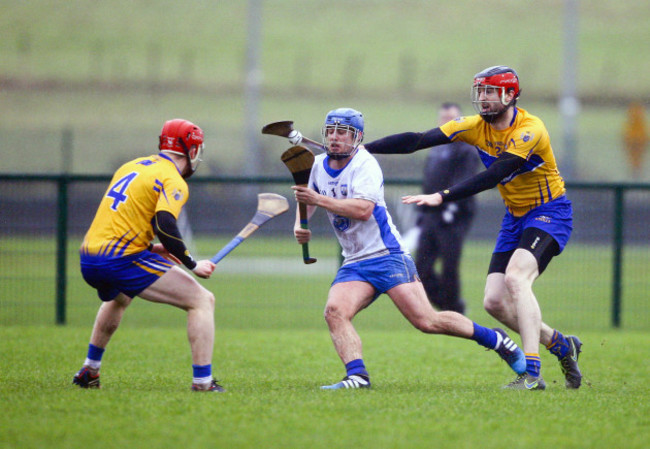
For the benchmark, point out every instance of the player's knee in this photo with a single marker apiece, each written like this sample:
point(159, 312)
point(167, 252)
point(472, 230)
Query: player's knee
point(494, 303)
point(333, 312)
point(428, 324)
point(206, 299)
point(515, 282)
point(494, 306)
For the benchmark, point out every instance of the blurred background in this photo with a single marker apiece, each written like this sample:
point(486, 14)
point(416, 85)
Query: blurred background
point(86, 86)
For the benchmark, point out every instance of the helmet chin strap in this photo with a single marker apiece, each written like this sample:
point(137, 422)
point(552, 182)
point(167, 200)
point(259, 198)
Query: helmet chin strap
point(190, 169)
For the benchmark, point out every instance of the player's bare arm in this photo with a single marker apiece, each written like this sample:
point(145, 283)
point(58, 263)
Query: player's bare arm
point(355, 208)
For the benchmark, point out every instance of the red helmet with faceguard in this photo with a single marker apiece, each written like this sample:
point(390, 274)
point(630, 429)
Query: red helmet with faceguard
point(501, 78)
point(180, 136)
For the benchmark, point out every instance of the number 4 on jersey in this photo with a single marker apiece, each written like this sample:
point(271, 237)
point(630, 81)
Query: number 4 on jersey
point(117, 190)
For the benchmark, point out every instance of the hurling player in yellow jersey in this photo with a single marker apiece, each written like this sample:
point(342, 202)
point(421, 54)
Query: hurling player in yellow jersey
point(144, 199)
point(516, 150)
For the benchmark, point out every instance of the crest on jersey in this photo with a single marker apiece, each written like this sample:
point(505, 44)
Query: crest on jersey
point(344, 190)
point(526, 136)
point(341, 223)
point(177, 194)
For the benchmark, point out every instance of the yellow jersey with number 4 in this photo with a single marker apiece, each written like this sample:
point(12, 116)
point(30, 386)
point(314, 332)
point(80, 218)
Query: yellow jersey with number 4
point(139, 189)
point(534, 184)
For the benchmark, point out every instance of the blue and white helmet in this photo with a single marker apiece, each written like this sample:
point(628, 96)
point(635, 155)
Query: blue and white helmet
point(343, 118)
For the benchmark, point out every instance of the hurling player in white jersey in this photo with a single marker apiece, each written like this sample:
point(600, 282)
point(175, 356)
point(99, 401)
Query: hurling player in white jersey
point(348, 183)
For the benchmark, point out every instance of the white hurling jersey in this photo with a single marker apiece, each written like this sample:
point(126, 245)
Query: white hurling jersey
point(361, 178)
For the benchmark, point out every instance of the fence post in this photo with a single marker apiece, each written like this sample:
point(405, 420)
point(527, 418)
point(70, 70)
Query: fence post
point(61, 248)
point(619, 210)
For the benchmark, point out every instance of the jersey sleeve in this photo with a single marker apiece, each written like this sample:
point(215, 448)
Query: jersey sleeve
point(313, 175)
point(368, 182)
point(173, 194)
point(462, 128)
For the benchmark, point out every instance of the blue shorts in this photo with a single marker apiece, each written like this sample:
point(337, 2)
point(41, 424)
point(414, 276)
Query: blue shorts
point(555, 218)
point(129, 274)
point(383, 273)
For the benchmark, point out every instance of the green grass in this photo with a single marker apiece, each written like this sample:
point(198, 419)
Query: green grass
point(107, 70)
point(428, 391)
point(273, 351)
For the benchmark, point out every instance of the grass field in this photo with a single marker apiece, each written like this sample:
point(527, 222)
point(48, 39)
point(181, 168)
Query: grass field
point(111, 72)
point(429, 391)
point(273, 351)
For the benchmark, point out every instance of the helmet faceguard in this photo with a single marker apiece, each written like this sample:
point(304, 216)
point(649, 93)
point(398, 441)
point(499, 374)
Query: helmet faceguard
point(342, 120)
point(499, 79)
point(183, 137)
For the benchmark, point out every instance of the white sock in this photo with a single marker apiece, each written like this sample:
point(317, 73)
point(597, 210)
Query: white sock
point(202, 380)
point(94, 364)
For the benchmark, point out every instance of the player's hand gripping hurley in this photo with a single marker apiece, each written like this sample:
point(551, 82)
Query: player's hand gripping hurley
point(269, 205)
point(299, 161)
point(285, 129)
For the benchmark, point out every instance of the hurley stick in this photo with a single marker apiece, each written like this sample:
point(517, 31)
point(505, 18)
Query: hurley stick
point(269, 205)
point(285, 129)
point(299, 161)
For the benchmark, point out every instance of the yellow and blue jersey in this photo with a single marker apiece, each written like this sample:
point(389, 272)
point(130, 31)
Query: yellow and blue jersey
point(538, 181)
point(139, 188)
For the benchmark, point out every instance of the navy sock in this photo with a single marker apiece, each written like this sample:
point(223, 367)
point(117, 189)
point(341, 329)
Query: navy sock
point(201, 371)
point(95, 352)
point(558, 346)
point(533, 364)
point(356, 367)
point(485, 336)
point(202, 374)
point(94, 357)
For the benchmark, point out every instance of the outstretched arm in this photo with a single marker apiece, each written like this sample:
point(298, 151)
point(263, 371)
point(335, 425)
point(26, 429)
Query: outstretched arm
point(406, 143)
point(504, 166)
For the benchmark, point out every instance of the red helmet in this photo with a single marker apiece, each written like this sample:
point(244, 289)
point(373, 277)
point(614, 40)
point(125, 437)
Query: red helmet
point(179, 136)
point(499, 76)
point(503, 79)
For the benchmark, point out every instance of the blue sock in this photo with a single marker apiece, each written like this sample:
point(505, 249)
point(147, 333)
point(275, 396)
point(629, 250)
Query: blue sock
point(558, 346)
point(533, 364)
point(94, 357)
point(485, 336)
point(202, 373)
point(95, 352)
point(356, 367)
